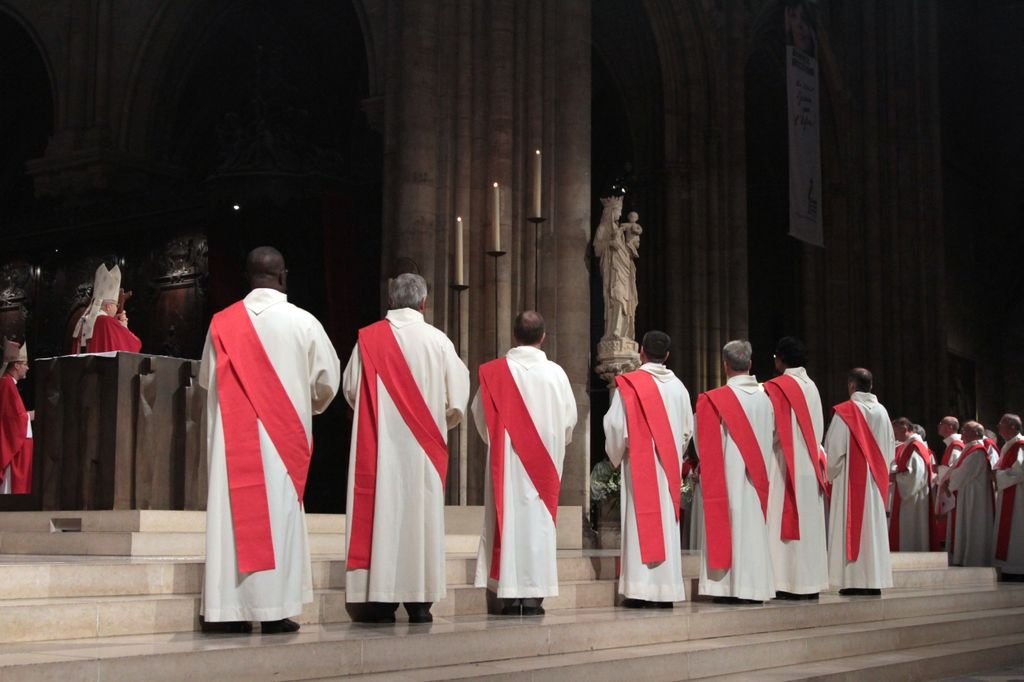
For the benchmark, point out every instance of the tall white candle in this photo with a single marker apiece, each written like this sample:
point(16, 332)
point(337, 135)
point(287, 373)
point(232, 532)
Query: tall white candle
point(459, 274)
point(535, 210)
point(496, 219)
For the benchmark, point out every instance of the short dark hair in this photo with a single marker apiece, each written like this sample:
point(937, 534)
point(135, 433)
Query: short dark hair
point(656, 344)
point(904, 422)
point(861, 378)
point(529, 327)
point(791, 351)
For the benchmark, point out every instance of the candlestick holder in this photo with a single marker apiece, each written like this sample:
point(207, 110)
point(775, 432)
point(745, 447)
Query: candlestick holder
point(496, 254)
point(537, 222)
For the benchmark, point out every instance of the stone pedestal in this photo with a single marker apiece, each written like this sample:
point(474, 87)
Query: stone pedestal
point(615, 357)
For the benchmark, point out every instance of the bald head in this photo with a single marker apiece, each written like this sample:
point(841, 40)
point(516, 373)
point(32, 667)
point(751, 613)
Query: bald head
point(264, 269)
point(973, 431)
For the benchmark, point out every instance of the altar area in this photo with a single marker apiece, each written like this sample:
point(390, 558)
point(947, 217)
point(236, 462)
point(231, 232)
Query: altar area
point(114, 595)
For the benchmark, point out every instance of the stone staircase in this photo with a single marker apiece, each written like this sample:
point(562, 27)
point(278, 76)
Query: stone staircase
point(108, 617)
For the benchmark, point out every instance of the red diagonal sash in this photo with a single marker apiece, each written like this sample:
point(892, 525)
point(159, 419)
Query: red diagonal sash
point(953, 444)
point(906, 451)
point(382, 358)
point(788, 399)
point(864, 454)
point(713, 409)
point(1008, 459)
point(977, 447)
point(505, 410)
point(647, 421)
point(248, 389)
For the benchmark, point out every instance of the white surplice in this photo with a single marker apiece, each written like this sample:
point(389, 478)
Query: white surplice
point(800, 566)
point(1006, 479)
point(751, 575)
point(407, 558)
point(529, 566)
point(637, 580)
point(309, 369)
point(912, 487)
point(873, 568)
point(972, 536)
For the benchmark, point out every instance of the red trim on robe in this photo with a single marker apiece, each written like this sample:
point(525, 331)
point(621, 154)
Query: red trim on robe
point(16, 446)
point(249, 389)
point(788, 399)
point(977, 447)
point(1007, 460)
point(382, 358)
point(647, 421)
point(864, 453)
point(953, 444)
point(713, 408)
point(506, 410)
point(108, 334)
point(906, 451)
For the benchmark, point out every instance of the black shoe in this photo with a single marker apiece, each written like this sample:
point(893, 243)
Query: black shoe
point(634, 603)
point(1012, 577)
point(279, 627)
point(860, 592)
point(513, 609)
point(234, 627)
point(660, 605)
point(533, 611)
point(725, 600)
point(792, 596)
point(421, 617)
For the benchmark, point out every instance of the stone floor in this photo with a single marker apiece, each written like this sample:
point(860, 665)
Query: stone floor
point(1011, 674)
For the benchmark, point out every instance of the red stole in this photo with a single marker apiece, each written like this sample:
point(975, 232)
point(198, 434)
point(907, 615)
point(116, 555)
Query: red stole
point(1008, 459)
point(713, 409)
point(977, 447)
point(647, 421)
point(864, 454)
point(906, 451)
point(382, 357)
point(108, 334)
point(249, 389)
point(953, 444)
point(788, 399)
point(15, 445)
point(505, 410)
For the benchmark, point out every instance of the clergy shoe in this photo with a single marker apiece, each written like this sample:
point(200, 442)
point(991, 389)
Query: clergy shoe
point(513, 609)
point(533, 610)
point(279, 627)
point(860, 592)
point(725, 600)
point(235, 627)
point(634, 603)
point(660, 605)
point(419, 612)
point(1012, 577)
point(792, 596)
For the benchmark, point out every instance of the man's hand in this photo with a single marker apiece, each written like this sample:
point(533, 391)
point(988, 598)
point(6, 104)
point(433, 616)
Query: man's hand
point(122, 317)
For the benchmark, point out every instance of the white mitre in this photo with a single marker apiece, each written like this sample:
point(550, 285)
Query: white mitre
point(106, 287)
point(13, 353)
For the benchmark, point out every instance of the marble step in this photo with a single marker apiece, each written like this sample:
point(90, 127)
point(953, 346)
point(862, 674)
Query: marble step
point(40, 619)
point(740, 657)
point(167, 544)
point(28, 577)
point(937, 661)
point(691, 641)
point(466, 520)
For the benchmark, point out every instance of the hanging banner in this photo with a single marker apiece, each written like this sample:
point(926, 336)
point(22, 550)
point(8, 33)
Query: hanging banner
point(805, 217)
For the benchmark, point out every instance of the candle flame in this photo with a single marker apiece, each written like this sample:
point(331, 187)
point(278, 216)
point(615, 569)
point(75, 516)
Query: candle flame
point(495, 184)
point(458, 218)
point(538, 152)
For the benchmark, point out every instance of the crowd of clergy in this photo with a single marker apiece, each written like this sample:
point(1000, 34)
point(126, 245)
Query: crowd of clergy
point(781, 507)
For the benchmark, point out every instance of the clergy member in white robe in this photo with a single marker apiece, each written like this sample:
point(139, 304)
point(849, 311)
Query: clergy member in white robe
point(303, 359)
point(735, 427)
point(799, 559)
point(523, 568)
point(408, 373)
point(651, 574)
point(859, 566)
point(1009, 527)
point(910, 522)
point(942, 504)
point(970, 480)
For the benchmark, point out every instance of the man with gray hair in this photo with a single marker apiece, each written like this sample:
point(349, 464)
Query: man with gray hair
point(970, 481)
point(408, 388)
point(1009, 531)
point(735, 426)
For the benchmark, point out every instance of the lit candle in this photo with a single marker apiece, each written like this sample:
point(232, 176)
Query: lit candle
point(459, 275)
point(496, 220)
point(536, 210)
